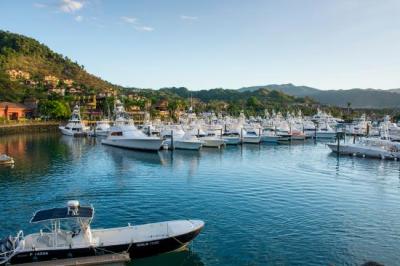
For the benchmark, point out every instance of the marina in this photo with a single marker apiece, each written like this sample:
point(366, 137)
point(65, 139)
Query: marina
point(294, 204)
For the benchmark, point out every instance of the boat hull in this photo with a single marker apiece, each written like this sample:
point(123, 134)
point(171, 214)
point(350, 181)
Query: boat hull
point(213, 143)
point(231, 140)
point(273, 139)
point(326, 135)
point(363, 152)
point(135, 144)
point(187, 145)
point(252, 140)
point(135, 250)
point(71, 133)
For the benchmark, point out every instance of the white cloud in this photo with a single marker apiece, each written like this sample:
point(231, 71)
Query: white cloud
point(129, 20)
point(190, 18)
point(78, 18)
point(144, 28)
point(39, 5)
point(70, 6)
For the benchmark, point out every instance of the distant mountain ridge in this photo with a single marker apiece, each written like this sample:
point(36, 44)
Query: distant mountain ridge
point(358, 98)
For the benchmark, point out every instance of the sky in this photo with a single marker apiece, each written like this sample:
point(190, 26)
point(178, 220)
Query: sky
point(220, 43)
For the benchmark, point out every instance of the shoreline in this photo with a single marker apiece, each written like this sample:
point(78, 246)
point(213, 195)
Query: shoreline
point(29, 127)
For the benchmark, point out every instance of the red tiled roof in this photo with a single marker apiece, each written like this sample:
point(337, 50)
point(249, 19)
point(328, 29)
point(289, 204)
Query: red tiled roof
point(12, 105)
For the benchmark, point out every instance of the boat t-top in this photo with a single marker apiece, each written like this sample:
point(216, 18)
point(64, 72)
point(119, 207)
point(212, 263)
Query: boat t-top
point(68, 235)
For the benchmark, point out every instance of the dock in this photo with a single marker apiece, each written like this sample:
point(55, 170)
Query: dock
point(107, 260)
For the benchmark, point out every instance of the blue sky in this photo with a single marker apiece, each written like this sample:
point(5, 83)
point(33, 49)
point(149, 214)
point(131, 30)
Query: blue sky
point(220, 43)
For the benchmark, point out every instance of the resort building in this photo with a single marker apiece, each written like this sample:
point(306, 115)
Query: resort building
point(13, 111)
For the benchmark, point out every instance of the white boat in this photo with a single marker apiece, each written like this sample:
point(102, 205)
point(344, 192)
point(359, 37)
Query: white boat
point(210, 141)
point(251, 136)
point(231, 137)
point(369, 147)
point(124, 134)
point(6, 160)
point(325, 132)
point(180, 139)
point(102, 128)
point(74, 127)
point(68, 234)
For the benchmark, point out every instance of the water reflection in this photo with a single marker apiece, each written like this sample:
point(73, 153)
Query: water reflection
point(125, 157)
point(182, 258)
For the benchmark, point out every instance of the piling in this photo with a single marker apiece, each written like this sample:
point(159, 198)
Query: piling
point(172, 140)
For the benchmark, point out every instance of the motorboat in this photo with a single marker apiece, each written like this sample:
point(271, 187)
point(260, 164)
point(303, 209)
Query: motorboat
point(369, 147)
point(6, 160)
point(269, 136)
point(102, 128)
point(68, 234)
point(251, 136)
point(75, 126)
point(325, 132)
point(231, 137)
point(210, 140)
point(176, 138)
point(124, 134)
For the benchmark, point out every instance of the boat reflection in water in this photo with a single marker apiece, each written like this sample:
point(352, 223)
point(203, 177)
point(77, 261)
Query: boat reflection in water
point(129, 158)
point(183, 258)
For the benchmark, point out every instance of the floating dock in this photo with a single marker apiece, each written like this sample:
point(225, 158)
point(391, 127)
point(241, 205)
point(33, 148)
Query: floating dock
point(107, 260)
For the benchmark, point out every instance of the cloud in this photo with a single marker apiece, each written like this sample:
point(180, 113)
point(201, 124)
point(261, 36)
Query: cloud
point(78, 18)
point(136, 24)
point(70, 6)
point(144, 28)
point(39, 5)
point(129, 20)
point(189, 18)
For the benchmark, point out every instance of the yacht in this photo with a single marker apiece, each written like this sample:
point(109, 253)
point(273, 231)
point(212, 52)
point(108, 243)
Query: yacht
point(209, 140)
point(176, 138)
point(369, 147)
point(231, 137)
point(325, 132)
point(68, 234)
point(102, 128)
point(251, 136)
point(269, 136)
point(124, 134)
point(74, 127)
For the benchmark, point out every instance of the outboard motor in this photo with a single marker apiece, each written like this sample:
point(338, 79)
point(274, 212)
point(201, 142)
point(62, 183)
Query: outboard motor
point(73, 207)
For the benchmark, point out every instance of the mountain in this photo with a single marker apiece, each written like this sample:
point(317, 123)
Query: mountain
point(25, 61)
point(358, 98)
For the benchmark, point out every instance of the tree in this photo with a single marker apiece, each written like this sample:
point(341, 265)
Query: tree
point(54, 109)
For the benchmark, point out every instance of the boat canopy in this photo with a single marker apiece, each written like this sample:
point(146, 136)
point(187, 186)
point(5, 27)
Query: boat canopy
point(62, 213)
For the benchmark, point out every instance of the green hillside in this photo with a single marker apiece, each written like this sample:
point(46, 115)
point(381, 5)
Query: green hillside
point(21, 53)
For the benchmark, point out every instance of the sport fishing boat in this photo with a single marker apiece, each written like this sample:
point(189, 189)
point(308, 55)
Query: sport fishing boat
point(69, 235)
point(125, 134)
point(369, 147)
point(102, 128)
point(74, 127)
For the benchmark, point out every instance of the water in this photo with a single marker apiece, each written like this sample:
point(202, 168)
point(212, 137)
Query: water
point(262, 204)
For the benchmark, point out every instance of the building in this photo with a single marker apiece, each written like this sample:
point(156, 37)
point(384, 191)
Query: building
point(18, 74)
point(13, 111)
point(162, 108)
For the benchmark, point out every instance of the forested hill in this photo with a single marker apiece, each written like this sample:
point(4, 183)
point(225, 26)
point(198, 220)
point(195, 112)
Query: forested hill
point(358, 98)
point(36, 62)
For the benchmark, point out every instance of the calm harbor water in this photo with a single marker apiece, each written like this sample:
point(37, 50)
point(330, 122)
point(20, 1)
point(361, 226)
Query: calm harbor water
point(262, 204)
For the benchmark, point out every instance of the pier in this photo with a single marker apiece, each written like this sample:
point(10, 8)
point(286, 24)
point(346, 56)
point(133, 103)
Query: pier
point(28, 127)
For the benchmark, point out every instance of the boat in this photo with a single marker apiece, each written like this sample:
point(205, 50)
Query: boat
point(250, 135)
point(102, 128)
point(6, 160)
point(74, 127)
point(176, 138)
point(124, 134)
point(69, 234)
point(269, 136)
point(325, 132)
point(369, 147)
point(231, 137)
point(209, 140)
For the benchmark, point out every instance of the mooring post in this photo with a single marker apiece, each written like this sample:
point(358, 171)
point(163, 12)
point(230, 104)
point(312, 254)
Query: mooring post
point(172, 140)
